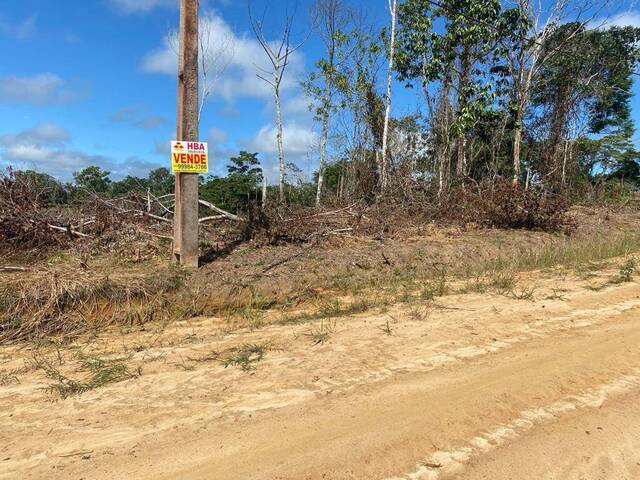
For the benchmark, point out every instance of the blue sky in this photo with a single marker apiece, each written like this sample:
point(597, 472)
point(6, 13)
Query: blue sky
point(93, 82)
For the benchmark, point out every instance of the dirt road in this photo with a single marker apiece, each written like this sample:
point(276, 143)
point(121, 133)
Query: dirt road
point(474, 386)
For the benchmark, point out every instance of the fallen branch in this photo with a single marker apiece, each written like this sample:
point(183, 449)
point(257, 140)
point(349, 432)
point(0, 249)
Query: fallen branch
point(386, 260)
point(157, 200)
point(84, 224)
point(69, 230)
point(13, 269)
point(333, 212)
point(224, 213)
point(156, 217)
point(209, 219)
point(339, 231)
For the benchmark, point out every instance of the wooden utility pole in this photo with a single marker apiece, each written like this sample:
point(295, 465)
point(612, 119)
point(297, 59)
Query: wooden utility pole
point(185, 228)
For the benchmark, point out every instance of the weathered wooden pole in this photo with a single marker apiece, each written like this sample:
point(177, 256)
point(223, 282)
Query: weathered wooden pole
point(185, 228)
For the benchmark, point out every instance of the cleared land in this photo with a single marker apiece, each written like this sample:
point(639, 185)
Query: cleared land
point(489, 373)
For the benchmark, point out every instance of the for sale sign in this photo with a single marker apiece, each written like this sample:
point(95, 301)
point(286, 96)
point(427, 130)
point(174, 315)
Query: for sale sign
point(189, 157)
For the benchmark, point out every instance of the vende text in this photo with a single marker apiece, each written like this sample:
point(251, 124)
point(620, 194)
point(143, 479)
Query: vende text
point(190, 158)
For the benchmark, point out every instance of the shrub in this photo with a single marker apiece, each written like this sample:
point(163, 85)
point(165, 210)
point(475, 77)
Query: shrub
point(511, 206)
point(24, 221)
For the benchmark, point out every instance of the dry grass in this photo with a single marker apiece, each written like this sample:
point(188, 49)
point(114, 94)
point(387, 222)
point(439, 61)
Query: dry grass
point(56, 302)
point(64, 301)
point(9, 377)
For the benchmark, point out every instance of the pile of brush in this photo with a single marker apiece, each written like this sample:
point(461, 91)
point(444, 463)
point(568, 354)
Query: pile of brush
point(47, 303)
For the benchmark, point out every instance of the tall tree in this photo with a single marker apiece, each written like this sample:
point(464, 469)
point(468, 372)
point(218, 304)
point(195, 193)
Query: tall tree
point(393, 9)
point(362, 117)
point(589, 78)
point(279, 55)
point(333, 18)
point(459, 58)
point(527, 31)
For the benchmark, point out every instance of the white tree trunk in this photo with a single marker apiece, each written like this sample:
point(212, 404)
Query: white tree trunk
point(276, 95)
point(323, 138)
point(393, 4)
point(517, 142)
point(264, 190)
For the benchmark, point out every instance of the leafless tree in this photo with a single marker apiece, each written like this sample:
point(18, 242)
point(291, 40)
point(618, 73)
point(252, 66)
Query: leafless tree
point(279, 55)
point(393, 6)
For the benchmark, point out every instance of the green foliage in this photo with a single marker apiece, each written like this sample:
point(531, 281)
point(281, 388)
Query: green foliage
point(589, 75)
point(98, 373)
point(161, 181)
point(129, 184)
point(628, 270)
point(247, 355)
point(239, 188)
point(93, 179)
point(48, 188)
point(426, 54)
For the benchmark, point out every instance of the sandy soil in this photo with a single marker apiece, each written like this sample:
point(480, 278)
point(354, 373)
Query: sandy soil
point(474, 386)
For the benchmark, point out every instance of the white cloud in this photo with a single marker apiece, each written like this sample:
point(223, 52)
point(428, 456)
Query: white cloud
point(141, 6)
point(45, 148)
point(47, 134)
point(298, 105)
point(297, 139)
point(24, 152)
point(238, 55)
point(43, 89)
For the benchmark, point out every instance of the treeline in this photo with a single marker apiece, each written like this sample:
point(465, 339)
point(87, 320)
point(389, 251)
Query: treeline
point(507, 93)
point(241, 187)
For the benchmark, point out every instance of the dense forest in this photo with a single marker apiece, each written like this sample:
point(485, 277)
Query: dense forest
point(508, 95)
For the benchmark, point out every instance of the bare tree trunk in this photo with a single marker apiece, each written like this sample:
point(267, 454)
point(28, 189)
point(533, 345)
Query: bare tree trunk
point(276, 96)
point(441, 134)
point(465, 76)
point(264, 190)
point(393, 5)
point(325, 133)
point(461, 163)
point(564, 162)
point(442, 154)
point(529, 60)
point(517, 141)
point(332, 16)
